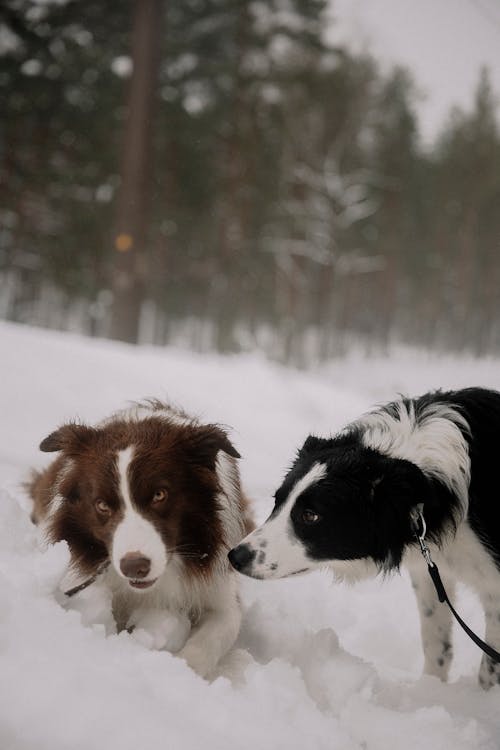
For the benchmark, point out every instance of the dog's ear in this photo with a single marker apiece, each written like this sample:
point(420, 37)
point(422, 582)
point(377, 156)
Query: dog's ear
point(398, 486)
point(399, 478)
point(208, 442)
point(314, 444)
point(374, 483)
point(395, 487)
point(70, 438)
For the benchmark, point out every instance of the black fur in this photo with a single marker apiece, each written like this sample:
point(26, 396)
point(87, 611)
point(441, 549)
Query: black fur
point(366, 499)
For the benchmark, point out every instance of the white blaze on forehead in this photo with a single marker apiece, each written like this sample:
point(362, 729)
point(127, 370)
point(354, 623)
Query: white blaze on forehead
point(313, 476)
point(123, 461)
point(278, 551)
point(135, 533)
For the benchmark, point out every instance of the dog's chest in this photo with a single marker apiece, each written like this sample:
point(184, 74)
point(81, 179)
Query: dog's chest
point(173, 592)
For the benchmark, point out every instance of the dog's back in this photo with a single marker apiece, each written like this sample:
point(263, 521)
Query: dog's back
point(481, 409)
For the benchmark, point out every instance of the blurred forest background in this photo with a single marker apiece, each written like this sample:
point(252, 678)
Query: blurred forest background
point(214, 173)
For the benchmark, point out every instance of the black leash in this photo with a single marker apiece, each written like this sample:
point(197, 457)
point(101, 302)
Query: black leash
point(420, 528)
point(85, 584)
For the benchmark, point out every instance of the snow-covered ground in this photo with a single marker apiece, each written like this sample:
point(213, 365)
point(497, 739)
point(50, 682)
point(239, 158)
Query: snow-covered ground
point(319, 665)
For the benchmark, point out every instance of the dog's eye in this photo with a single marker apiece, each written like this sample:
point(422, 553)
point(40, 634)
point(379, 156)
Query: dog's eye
point(103, 508)
point(159, 496)
point(310, 517)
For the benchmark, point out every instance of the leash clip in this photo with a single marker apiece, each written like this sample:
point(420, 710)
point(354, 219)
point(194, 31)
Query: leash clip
point(420, 530)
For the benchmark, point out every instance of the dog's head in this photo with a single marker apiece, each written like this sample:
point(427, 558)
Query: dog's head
point(141, 493)
point(341, 503)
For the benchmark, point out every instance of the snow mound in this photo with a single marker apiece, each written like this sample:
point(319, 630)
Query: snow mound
point(315, 666)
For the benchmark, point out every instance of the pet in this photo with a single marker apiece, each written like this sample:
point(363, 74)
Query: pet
point(348, 504)
point(157, 495)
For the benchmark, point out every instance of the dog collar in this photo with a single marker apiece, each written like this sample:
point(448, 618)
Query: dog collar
point(89, 581)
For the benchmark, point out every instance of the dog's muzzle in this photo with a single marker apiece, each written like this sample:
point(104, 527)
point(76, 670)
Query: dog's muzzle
point(241, 558)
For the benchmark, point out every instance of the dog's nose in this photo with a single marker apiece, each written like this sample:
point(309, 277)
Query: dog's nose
point(135, 565)
point(240, 557)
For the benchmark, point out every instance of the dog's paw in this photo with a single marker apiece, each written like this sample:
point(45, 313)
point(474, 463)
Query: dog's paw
point(197, 658)
point(160, 629)
point(489, 673)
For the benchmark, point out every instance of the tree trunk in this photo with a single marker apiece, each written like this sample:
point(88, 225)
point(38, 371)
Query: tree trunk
point(130, 236)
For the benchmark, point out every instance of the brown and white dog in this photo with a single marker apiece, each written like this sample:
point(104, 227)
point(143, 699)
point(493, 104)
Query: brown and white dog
point(157, 495)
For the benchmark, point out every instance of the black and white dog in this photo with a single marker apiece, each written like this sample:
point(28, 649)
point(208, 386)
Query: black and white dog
point(347, 504)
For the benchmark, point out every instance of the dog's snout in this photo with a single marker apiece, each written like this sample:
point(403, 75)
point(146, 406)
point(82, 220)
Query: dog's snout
point(135, 565)
point(240, 557)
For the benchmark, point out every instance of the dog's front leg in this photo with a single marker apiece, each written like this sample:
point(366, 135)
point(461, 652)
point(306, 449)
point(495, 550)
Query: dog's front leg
point(435, 625)
point(94, 604)
point(159, 628)
point(213, 636)
point(489, 672)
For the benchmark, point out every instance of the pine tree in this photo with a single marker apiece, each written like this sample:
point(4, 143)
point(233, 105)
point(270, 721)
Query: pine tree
point(467, 223)
point(58, 158)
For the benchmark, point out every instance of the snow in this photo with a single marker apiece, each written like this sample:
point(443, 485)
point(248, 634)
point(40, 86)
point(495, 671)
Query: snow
point(317, 665)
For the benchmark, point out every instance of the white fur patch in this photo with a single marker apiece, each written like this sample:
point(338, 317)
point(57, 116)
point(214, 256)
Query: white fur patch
point(55, 504)
point(135, 533)
point(352, 571)
point(57, 500)
point(433, 441)
point(229, 498)
point(313, 476)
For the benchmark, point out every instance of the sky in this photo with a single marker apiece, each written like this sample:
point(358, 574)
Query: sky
point(443, 42)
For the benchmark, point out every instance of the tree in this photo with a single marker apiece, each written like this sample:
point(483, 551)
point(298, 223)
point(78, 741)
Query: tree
point(130, 242)
point(289, 203)
point(466, 223)
point(58, 150)
point(395, 160)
